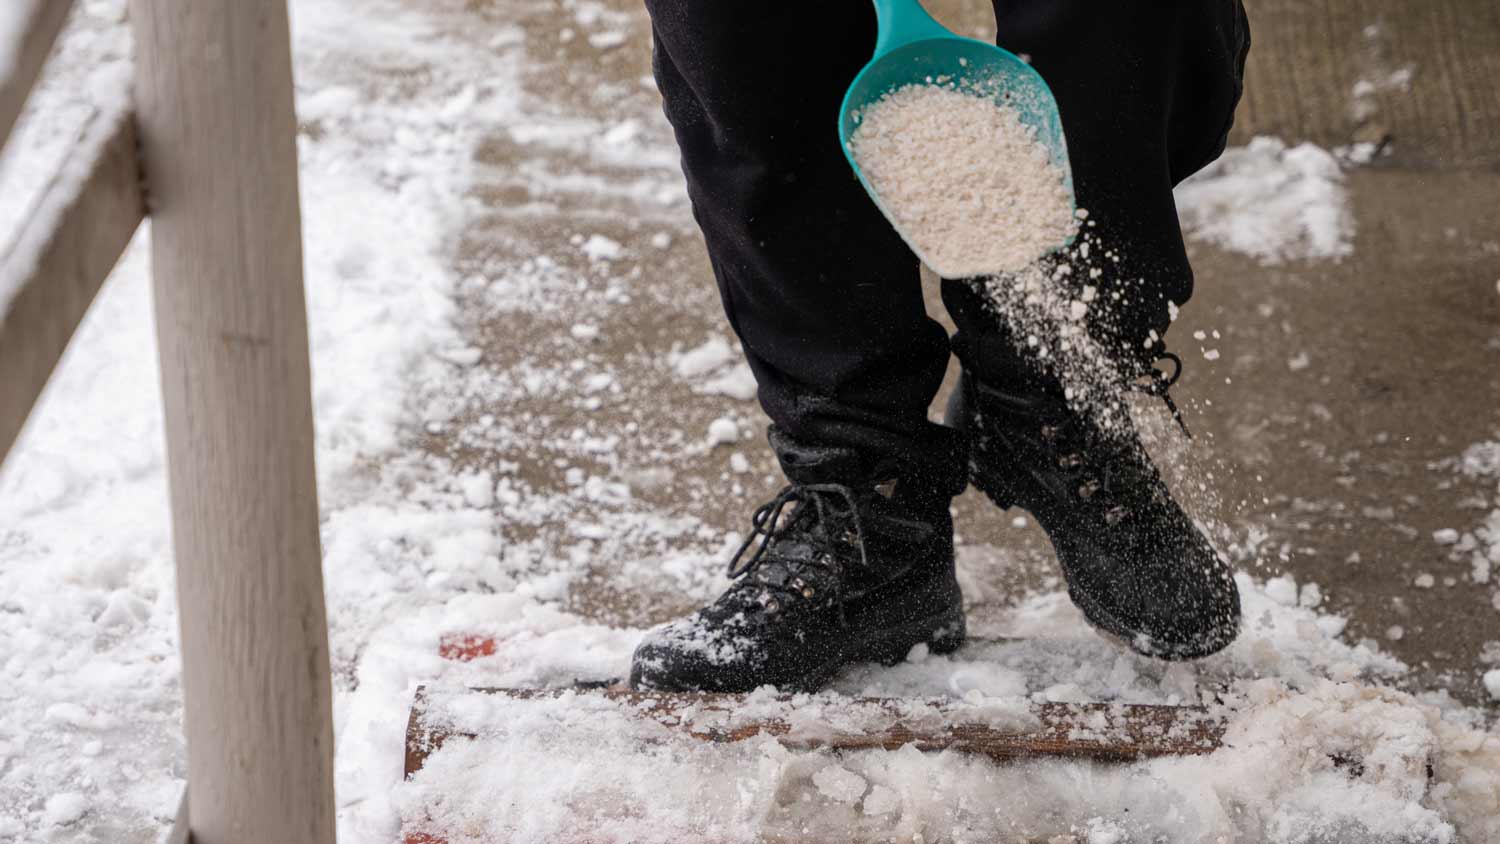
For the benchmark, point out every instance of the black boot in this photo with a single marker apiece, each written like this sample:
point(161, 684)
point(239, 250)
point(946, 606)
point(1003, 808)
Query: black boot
point(849, 563)
point(1135, 563)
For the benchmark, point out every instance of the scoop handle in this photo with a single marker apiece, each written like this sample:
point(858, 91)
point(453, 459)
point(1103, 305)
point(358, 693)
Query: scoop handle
point(903, 22)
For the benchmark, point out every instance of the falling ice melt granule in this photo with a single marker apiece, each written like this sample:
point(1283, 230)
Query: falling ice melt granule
point(965, 181)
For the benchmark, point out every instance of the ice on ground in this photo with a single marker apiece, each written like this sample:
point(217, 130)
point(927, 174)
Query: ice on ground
point(1270, 201)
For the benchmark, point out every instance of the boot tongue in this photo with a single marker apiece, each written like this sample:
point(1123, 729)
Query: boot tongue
point(889, 505)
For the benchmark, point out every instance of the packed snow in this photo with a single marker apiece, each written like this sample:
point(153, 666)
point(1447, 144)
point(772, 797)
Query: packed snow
point(1270, 201)
point(515, 418)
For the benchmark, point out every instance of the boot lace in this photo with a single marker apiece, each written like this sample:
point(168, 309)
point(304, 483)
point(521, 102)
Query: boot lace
point(768, 526)
point(1159, 383)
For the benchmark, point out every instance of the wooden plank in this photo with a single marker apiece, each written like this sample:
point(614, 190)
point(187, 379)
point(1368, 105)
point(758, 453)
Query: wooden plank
point(218, 141)
point(1099, 731)
point(40, 32)
point(69, 244)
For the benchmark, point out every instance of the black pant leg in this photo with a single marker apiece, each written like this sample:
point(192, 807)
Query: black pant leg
point(1147, 91)
point(824, 295)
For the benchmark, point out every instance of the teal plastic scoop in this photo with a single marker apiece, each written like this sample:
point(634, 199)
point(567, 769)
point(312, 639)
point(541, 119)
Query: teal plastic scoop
point(914, 49)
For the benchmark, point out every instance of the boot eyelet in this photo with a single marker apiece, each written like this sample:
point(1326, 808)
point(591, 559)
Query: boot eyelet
point(826, 559)
point(851, 538)
point(1069, 461)
point(1088, 489)
point(1049, 432)
point(808, 592)
point(1115, 515)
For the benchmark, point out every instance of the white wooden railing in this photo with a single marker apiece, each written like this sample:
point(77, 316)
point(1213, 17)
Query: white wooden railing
point(208, 151)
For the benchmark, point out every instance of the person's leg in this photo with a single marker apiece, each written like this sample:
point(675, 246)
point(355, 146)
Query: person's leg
point(853, 560)
point(1146, 91)
point(823, 294)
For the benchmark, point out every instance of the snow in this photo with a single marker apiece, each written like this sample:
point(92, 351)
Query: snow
point(716, 369)
point(1270, 201)
point(114, 109)
point(504, 533)
point(1282, 590)
point(1492, 683)
point(736, 382)
point(589, 768)
point(723, 431)
point(13, 18)
point(600, 248)
point(64, 808)
point(703, 359)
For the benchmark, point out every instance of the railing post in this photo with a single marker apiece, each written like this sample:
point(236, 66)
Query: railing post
point(217, 129)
